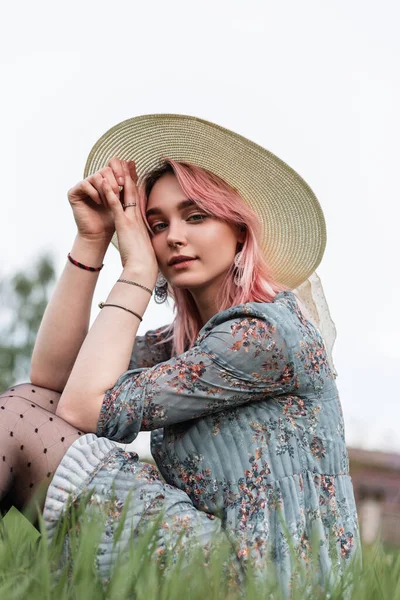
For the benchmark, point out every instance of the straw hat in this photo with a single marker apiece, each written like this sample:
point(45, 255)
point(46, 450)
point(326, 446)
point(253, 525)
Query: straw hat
point(293, 225)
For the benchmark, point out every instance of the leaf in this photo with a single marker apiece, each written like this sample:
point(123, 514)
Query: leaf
point(16, 525)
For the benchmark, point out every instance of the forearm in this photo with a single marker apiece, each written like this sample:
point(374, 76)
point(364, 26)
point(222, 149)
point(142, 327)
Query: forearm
point(65, 322)
point(105, 352)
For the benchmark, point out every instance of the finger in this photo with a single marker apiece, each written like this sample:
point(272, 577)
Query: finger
point(122, 196)
point(130, 189)
point(116, 165)
point(112, 199)
point(132, 170)
point(97, 181)
point(108, 174)
point(91, 191)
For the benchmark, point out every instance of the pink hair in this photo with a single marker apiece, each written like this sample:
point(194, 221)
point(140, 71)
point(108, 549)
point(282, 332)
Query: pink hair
point(213, 195)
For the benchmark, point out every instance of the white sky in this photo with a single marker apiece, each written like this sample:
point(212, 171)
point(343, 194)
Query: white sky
point(315, 82)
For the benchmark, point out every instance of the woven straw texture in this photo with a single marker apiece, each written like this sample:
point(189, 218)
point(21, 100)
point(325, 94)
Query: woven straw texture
point(294, 230)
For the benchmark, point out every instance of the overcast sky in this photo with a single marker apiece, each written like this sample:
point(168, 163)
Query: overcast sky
point(315, 82)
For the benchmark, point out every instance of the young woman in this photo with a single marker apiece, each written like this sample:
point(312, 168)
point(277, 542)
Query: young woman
point(239, 392)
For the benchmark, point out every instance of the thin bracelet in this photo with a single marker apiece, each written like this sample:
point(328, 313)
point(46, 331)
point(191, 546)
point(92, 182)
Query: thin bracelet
point(82, 266)
point(102, 304)
point(134, 283)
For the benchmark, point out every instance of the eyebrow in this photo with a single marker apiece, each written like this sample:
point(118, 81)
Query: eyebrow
point(181, 205)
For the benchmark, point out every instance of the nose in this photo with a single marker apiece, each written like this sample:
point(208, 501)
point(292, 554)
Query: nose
point(176, 236)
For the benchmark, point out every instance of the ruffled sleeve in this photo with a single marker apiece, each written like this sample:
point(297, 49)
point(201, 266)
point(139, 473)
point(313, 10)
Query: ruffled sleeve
point(240, 356)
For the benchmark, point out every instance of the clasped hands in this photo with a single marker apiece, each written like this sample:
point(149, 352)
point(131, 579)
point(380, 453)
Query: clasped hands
point(98, 212)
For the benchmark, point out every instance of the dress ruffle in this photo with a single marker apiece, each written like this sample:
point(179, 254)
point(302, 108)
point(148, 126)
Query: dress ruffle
point(97, 464)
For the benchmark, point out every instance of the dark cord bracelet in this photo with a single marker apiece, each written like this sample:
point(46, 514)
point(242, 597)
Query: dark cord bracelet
point(102, 304)
point(82, 266)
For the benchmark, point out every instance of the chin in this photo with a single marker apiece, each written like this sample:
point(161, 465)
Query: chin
point(186, 283)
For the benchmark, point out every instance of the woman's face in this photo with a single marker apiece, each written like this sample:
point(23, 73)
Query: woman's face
point(212, 242)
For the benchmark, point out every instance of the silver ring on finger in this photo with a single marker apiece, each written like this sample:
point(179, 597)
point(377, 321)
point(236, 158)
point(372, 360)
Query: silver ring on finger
point(126, 205)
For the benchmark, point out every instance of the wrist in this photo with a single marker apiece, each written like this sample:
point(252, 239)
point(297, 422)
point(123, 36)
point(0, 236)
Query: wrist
point(139, 275)
point(89, 252)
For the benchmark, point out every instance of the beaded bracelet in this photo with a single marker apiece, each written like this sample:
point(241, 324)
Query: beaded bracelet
point(134, 283)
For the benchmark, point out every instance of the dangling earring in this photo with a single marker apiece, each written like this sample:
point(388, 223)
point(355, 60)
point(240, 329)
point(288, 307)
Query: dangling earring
point(160, 289)
point(240, 269)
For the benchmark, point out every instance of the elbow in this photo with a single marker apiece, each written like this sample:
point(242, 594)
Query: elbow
point(63, 413)
point(45, 381)
point(83, 418)
point(69, 417)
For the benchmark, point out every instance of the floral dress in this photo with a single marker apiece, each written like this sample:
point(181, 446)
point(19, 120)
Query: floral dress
point(248, 433)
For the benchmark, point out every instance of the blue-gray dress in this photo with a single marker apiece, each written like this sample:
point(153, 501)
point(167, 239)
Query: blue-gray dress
point(247, 431)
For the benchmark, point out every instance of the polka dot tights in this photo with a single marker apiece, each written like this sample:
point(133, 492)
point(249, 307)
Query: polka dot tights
point(33, 441)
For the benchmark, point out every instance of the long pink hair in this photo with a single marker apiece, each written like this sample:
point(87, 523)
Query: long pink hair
point(213, 195)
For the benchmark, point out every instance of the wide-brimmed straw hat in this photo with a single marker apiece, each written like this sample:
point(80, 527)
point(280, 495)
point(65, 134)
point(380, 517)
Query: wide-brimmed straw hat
point(293, 225)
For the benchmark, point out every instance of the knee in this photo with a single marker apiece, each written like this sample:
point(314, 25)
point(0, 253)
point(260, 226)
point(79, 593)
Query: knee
point(44, 397)
point(23, 389)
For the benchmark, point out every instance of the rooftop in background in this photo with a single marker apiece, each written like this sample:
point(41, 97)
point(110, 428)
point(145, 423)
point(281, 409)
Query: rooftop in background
point(375, 458)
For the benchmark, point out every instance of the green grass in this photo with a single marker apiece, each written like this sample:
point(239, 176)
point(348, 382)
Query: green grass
point(32, 568)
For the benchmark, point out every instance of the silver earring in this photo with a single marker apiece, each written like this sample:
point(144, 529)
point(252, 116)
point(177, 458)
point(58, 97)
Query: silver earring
point(238, 258)
point(160, 289)
point(160, 279)
point(240, 270)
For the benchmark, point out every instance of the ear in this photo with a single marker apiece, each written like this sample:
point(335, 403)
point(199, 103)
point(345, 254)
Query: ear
point(242, 234)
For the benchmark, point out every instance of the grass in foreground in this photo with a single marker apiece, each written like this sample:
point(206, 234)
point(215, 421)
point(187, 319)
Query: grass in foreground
point(30, 567)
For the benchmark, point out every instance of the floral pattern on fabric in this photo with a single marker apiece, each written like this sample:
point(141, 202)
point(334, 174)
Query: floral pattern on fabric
point(148, 349)
point(248, 423)
point(239, 361)
point(131, 499)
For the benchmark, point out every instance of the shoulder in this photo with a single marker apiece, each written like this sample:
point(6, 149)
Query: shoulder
point(265, 316)
point(253, 340)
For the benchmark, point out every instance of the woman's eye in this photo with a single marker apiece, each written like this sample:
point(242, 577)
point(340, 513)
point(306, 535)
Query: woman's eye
point(190, 217)
point(198, 215)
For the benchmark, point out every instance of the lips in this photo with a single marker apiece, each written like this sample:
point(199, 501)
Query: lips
point(182, 263)
point(183, 260)
point(180, 260)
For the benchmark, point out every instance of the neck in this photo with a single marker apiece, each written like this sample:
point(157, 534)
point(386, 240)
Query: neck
point(205, 298)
